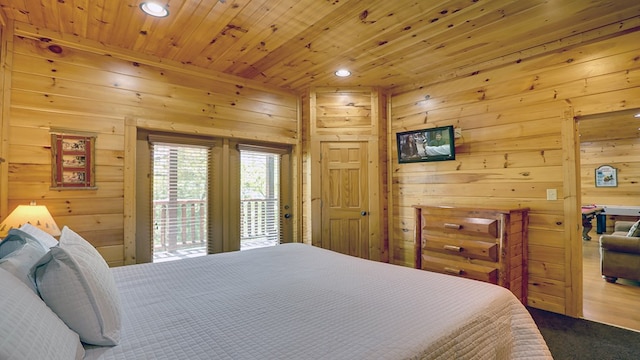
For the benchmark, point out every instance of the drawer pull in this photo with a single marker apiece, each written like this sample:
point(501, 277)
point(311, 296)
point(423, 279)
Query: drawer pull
point(453, 271)
point(452, 226)
point(453, 248)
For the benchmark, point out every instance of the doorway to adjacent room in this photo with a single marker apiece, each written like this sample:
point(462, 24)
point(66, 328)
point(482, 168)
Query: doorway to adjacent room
point(609, 139)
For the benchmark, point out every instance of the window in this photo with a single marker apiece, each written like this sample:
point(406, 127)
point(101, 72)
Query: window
point(180, 200)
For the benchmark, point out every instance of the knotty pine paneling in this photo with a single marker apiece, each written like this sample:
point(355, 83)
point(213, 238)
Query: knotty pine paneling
point(292, 43)
point(513, 147)
point(83, 89)
point(306, 164)
point(342, 111)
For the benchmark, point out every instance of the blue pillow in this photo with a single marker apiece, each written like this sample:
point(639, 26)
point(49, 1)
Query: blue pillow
point(19, 252)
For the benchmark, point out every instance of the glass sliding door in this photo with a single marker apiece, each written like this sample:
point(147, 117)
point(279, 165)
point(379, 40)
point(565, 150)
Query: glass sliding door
point(259, 198)
point(199, 195)
point(180, 182)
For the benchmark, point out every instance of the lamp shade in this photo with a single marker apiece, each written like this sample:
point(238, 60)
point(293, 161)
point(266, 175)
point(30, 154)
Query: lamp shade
point(36, 215)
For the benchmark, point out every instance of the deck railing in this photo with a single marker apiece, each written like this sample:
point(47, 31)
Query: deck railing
point(188, 229)
point(179, 224)
point(259, 219)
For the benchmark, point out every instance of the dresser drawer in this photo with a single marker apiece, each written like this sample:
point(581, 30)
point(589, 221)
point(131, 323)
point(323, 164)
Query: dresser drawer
point(483, 250)
point(464, 225)
point(462, 269)
point(482, 244)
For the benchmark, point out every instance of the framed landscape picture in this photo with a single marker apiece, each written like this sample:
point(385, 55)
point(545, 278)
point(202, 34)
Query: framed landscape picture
point(72, 161)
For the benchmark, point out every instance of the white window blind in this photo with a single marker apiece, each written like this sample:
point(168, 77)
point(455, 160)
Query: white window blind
point(259, 197)
point(180, 196)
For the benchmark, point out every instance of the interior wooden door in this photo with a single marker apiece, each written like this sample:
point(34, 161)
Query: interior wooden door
point(344, 193)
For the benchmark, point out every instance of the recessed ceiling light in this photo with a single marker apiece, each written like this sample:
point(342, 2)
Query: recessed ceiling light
point(154, 9)
point(343, 73)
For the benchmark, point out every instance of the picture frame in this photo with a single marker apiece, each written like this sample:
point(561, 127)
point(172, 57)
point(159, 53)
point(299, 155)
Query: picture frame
point(72, 161)
point(606, 176)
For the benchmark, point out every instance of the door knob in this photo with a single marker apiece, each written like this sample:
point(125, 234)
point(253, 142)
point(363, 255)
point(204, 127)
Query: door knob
point(287, 216)
point(363, 213)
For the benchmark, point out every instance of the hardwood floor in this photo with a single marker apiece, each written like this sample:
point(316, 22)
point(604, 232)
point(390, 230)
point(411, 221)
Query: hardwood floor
point(613, 304)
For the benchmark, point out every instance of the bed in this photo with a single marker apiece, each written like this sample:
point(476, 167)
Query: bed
point(296, 301)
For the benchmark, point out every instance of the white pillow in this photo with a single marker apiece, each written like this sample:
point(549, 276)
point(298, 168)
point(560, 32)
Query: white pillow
point(29, 329)
point(77, 284)
point(43, 237)
point(25, 252)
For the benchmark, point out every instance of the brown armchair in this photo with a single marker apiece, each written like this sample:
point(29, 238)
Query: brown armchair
point(620, 254)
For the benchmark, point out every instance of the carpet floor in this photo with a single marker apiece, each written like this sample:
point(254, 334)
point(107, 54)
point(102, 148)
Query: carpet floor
point(571, 338)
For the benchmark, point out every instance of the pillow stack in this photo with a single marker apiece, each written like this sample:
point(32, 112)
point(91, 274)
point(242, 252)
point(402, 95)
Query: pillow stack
point(78, 296)
point(76, 283)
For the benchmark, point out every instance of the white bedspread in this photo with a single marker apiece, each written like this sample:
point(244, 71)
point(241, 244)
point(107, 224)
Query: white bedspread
point(296, 301)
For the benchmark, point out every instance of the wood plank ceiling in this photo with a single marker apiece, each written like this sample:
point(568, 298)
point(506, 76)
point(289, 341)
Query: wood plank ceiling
point(293, 44)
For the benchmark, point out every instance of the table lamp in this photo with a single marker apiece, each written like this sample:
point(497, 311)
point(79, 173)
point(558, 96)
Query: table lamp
point(36, 215)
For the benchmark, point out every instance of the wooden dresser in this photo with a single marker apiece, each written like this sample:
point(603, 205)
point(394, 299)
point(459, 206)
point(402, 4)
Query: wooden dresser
point(482, 244)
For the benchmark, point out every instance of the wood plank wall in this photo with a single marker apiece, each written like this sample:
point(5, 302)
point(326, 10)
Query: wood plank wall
point(56, 84)
point(517, 141)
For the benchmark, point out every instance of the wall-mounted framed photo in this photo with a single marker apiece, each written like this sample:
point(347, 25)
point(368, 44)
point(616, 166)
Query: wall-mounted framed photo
point(606, 176)
point(72, 161)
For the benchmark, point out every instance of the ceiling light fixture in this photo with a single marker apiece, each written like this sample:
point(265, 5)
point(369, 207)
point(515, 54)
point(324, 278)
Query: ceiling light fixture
point(637, 115)
point(343, 73)
point(154, 9)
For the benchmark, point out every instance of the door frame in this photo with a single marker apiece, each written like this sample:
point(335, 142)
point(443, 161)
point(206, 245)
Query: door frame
point(572, 216)
point(578, 184)
point(224, 218)
point(375, 135)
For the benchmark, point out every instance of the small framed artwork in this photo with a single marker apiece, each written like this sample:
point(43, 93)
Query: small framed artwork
point(606, 176)
point(72, 161)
